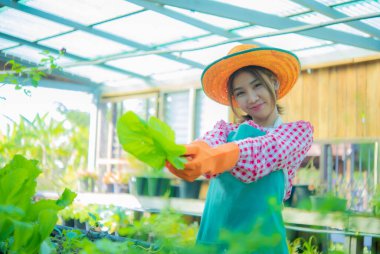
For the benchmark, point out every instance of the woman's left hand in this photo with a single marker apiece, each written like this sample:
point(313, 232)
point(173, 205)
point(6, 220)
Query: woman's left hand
point(203, 159)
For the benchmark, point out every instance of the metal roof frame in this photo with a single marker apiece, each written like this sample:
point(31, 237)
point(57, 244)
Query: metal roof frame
point(283, 25)
point(91, 30)
point(263, 19)
point(330, 12)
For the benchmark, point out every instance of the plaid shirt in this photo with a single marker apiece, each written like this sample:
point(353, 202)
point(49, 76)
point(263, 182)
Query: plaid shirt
point(283, 147)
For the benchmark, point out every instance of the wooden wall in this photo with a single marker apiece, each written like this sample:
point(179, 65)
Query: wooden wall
point(340, 101)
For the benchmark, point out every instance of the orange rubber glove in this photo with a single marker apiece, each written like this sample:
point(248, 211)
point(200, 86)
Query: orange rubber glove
point(204, 159)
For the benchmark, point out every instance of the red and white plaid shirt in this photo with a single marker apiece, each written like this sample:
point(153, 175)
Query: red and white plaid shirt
point(283, 147)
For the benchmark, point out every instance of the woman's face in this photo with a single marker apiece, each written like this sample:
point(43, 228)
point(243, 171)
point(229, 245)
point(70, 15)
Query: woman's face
point(254, 98)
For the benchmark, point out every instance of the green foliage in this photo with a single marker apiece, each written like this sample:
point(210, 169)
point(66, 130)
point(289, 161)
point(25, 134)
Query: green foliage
point(300, 245)
point(60, 146)
point(376, 203)
point(152, 142)
point(24, 224)
point(19, 75)
point(80, 212)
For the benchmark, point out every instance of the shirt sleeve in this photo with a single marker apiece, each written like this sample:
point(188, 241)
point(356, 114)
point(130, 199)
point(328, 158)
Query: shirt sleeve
point(217, 136)
point(284, 148)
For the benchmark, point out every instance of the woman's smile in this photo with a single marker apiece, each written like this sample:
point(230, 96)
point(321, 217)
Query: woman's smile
point(257, 107)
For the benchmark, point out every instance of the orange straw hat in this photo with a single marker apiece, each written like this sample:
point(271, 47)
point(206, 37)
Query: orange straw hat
point(284, 64)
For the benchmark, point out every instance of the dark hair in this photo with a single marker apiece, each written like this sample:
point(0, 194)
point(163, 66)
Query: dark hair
point(267, 77)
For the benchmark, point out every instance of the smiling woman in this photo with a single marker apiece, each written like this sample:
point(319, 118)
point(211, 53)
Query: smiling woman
point(251, 164)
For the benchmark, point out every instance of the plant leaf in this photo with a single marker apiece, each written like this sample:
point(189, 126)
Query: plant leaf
point(152, 143)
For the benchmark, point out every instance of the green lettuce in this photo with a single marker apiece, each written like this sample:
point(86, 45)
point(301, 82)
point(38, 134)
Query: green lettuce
point(24, 224)
point(152, 142)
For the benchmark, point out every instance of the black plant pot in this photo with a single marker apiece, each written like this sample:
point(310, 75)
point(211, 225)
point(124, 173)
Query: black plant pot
point(189, 189)
point(68, 223)
point(158, 186)
point(164, 186)
point(121, 188)
point(153, 186)
point(110, 188)
point(79, 225)
point(174, 191)
point(300, 197)
point(138, 186)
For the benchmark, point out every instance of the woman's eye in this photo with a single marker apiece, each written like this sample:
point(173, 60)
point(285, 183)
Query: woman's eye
point(239, 94)
point(258, 85)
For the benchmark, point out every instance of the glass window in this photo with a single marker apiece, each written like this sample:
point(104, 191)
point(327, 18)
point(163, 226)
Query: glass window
point(177, 114)
point(207, 113)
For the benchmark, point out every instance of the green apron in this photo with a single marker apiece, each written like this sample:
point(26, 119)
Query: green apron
point(253, 210)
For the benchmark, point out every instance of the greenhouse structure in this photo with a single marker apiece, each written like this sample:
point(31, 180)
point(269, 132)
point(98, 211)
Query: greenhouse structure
point(122, 127)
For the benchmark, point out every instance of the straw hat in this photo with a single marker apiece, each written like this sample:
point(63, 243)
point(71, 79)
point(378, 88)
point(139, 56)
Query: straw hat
point(284, 64)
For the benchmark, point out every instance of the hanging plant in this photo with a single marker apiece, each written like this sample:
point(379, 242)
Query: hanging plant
point(19, 75)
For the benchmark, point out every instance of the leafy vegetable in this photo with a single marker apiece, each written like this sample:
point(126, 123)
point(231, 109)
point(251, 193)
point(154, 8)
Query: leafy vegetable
point(152, 142)
point(25, 225)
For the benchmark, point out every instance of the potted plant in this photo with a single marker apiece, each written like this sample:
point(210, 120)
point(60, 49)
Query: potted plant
point(138, 181)
point(122, 179)
point(307, 179)
point(158, 184)
point(328, 201)
point(190, 189)
point(87, 180)
point(109, 180)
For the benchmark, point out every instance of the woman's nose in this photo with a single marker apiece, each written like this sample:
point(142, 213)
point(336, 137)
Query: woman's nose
point(252, 97)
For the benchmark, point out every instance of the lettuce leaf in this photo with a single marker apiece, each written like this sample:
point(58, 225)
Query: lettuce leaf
point(25, 224)
point(151, 142)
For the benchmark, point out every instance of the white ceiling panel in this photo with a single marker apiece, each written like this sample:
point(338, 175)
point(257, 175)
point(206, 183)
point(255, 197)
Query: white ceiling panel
point(6, 44)
point(96, 73)
point(27, 26)
point(275, 7)
point(85, 45)
point(211, 19)
point(148, 65)
point(85, 11)
point(151, 28)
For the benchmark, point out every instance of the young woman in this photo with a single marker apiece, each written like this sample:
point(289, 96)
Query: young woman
point(251, 164)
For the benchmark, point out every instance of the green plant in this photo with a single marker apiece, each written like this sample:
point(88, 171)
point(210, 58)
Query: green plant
point(152, 142)
point(376, 203)
point(300, 245)
point(308, 175)
point(24, 224)
point(60, 146)
point(19, 75)
point(83, 213)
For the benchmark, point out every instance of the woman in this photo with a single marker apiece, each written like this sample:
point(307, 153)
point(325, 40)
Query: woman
point(251, 164)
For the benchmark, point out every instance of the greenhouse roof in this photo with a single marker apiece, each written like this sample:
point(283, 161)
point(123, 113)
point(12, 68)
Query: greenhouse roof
point(117, 45)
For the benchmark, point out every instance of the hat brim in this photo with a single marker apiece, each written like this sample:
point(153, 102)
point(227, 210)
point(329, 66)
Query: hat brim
point(284, 64)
